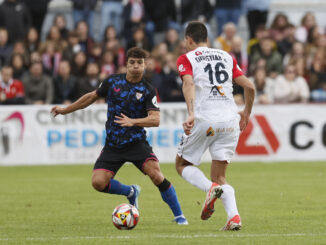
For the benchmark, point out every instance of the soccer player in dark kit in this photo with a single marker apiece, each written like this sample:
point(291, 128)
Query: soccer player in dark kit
point(132, 106)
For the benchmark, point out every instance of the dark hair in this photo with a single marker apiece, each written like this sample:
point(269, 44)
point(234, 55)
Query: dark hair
point(136, 53)
point(197, 31)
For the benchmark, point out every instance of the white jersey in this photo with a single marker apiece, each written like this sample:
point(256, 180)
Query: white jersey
point(213, 71)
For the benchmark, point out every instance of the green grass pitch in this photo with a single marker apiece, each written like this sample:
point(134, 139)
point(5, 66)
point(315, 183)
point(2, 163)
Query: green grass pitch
point(280, 203)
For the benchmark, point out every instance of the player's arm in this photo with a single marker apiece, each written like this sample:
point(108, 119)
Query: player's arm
point(81, 103)
point(249, 94)
point(152, 120)
point(188, 89)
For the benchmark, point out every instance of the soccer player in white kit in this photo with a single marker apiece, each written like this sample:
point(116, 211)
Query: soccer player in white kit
point(213, 119)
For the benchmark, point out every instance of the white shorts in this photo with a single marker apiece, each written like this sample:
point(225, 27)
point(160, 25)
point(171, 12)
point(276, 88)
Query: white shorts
point(220, 137)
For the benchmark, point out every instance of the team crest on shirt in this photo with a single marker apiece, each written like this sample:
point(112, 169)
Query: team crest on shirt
point(138, 95)
point(181, 68)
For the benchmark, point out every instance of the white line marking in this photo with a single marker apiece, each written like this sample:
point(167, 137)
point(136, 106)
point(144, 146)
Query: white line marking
point(213, 235)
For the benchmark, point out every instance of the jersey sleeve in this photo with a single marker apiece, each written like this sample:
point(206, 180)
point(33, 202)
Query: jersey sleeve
point(184, 66)
point(236, 71)
point(151, 101)
point(103, 88)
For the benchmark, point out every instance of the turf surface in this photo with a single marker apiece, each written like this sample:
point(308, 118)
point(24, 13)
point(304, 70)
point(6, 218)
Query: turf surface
point(280, 203)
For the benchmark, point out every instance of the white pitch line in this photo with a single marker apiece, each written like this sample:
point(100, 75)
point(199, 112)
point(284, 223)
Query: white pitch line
point(168, 236)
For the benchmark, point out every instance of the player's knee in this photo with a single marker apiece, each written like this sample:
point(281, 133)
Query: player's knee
point(98, 184)
point(155, 175)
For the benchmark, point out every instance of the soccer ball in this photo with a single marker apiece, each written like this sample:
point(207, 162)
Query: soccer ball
point(125, 216)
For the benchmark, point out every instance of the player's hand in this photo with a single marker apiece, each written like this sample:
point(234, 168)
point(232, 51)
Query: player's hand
point(124, 121)
point(58, 110)
point(188, 125)
point(244, 120)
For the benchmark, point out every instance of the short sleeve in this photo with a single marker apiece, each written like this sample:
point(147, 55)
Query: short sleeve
point(184, 66)
point(151, 101)
point(103, 88)
point(236, 71)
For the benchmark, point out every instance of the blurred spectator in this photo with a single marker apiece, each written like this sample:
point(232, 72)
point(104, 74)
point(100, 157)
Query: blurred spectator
point(227, 11)
point(297, 52)
point(317, 73)
point(285, 45)
point(91, 81)
point(290, 88)
point(224, 41)
point(272, 57)
point(118, 51)
point(161, 15)
point(79, 63)
point(111, 14)
point(171, 89)
point(11, 90)
point(38, 10)
point(107, 65)
point(239, 53)
point(85, 40)
point(257, 14)
point(159, 53)
point(278, 27)
point(253, 44)
point(15, 17)
point(18, 65)
point(180, 49)
point(194, 10)
point(319, 95)
point(35, 57)
point(83, 10)
point(65, 85)
point(55, 36)
point(32, 40)
point(264, 87)
point(96, 54)
point(38, 86)
point(172, 39)
point(139, 40)
point(73, 46)
point(153, 77)
point(5, 47)
point(50, 58)
point(19, 48)
point(61, 23)
point(134, 17)
point(110, 34)
point(308, 21)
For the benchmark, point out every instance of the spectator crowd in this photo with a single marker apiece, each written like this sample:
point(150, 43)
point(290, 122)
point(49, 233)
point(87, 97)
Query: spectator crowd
point(287, 63)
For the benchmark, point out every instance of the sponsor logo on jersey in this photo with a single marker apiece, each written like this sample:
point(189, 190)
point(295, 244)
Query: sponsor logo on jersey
point(210, 132)
point(217, 90)
point(138, 95)
point(181, 68)
point(198, 53)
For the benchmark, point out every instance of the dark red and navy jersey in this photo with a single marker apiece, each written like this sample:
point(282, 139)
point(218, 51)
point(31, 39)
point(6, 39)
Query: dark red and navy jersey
point(132, 99)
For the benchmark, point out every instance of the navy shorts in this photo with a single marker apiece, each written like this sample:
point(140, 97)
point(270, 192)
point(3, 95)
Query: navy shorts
point(112, 159)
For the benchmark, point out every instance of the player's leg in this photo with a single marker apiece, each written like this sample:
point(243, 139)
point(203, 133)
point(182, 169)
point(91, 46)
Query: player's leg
point(218, 175)
point(192, 174)
point(106, 166)
point(168, 193)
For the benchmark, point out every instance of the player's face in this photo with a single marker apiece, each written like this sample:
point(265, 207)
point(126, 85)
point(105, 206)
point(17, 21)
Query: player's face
point(135, 66)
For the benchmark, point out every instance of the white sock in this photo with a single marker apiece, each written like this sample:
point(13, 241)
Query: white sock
point(228, 200)
point(196, 177)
